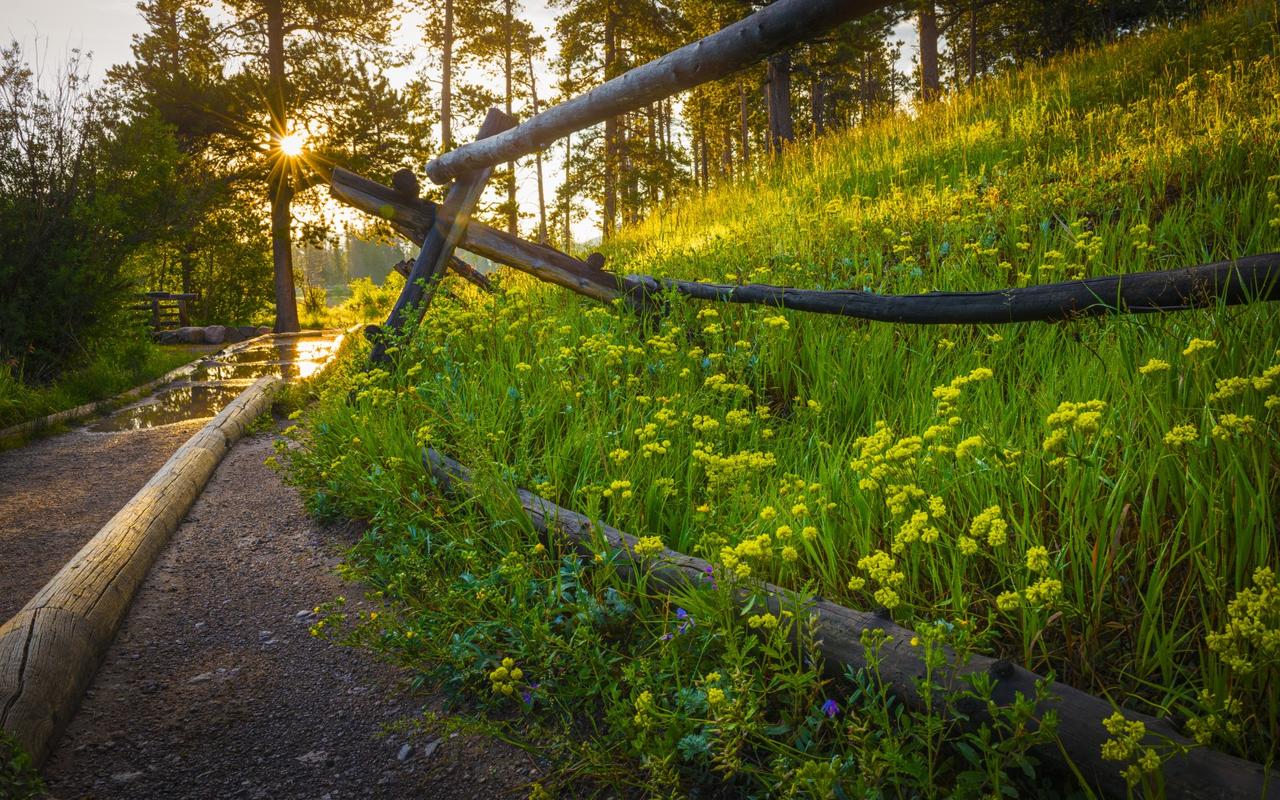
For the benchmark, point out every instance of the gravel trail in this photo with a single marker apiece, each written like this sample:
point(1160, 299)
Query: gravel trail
point(214, 689)
point(56, 493)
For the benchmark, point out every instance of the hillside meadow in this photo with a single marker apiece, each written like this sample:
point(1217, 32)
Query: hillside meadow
point(1096, 499)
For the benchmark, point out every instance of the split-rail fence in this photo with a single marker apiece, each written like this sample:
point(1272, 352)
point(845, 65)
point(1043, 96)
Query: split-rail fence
point(1190, 771)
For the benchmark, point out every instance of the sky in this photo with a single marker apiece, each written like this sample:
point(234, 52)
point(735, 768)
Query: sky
point(105, 28)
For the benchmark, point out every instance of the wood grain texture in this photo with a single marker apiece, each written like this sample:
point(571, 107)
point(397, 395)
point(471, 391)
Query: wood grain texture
point(412, 218)
point(775, 27)
point(1200, 773)
point(446, 233)
point(1243, 280)
point(50, 650)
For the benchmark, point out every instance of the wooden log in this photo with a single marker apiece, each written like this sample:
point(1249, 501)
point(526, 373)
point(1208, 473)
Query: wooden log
point(775, 27)
point(457, 265)
point(412, 218)
point(1199, 773)
point(1244, 280)
point(445, 235)
point(50, 650)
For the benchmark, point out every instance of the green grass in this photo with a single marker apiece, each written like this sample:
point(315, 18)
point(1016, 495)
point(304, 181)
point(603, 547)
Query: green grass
point(845, 458)
point(115, 367)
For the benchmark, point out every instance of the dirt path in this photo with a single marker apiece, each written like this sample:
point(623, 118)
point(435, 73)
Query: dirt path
point(56, 493)
point(214, 689)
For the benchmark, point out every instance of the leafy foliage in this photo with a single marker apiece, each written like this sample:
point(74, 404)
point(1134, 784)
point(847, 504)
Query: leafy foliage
point(80, 189)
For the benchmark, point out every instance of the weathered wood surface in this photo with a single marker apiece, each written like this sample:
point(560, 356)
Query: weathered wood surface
point(775, 27)
point(1200, 773)
point(457, 266)
point(413, 217)
point(1242, 280)
point(50, 650)
point(444, 236)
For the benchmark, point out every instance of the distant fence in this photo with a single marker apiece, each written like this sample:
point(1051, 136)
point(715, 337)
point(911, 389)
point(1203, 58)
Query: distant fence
point(165, 310)
point(1191, 772)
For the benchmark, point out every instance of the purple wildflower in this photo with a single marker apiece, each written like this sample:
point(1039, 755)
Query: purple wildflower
point(830, 708)
point(681, 613)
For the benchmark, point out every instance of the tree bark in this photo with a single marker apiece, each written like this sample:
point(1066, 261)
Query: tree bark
point(513, 210)
point(610, 131)
point(279, 189)
point(927, 27)
point(973, 41)
point(744, 130)
point(779, 93)
point(446, 81)
point(537, 154)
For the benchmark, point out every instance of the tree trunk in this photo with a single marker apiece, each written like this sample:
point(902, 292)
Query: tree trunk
point(778, 86)
point(513, 210)
point(744, 130)
point(927, 26)
point(446, 81)
point(610, 209)
point(537, 155)
point(279, 190)
point(973, 41)
point(818, 103)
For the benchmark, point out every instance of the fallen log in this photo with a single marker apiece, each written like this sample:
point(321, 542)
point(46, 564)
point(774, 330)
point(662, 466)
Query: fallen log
point(1243, 280)
point(50, 650)
point(775, 27)
point(1194, 774)
point(411, 218)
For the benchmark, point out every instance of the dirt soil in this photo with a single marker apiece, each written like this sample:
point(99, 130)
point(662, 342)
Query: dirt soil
point(56, 493)
point(214, 689)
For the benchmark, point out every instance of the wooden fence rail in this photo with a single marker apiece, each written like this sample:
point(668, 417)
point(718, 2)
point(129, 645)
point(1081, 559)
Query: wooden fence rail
point(167, 310)
point(1191, 775)
point(1251, 279)
point(775, 27)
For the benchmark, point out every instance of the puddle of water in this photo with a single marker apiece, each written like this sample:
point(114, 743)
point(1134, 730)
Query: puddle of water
point(216, 381)
point(177, 404)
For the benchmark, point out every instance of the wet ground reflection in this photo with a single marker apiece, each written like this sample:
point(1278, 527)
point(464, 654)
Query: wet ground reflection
point(217, 380)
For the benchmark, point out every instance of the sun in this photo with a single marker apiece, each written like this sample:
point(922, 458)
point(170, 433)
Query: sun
point(292, 144)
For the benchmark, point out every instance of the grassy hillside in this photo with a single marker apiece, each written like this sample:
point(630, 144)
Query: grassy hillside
point(1096, 499)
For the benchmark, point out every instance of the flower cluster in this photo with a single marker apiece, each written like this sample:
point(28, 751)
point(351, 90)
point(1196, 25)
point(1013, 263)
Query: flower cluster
point(1084, 418)
point(1250, 642)
point(1126, 746)
point(503, 680)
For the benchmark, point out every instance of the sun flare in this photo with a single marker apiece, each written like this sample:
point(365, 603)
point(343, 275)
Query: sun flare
point(292, 144)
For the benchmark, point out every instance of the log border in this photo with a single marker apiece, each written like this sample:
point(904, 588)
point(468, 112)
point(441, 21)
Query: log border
point(51, 649)
point(1196, 774)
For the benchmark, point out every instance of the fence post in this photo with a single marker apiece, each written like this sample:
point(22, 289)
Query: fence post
point(155, 312)
point(442, 239)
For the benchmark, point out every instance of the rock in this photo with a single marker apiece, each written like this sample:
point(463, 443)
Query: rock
point(405, 751)
point(203, 677)
point(190, 335)
point(201, 625)
point(246, 331)
point(430, 748)
point(233, 335)
point(167, 337)
point(264, 635)
point(264, 329)
point(215, 334)
point(313, 757)
point(125, 777)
